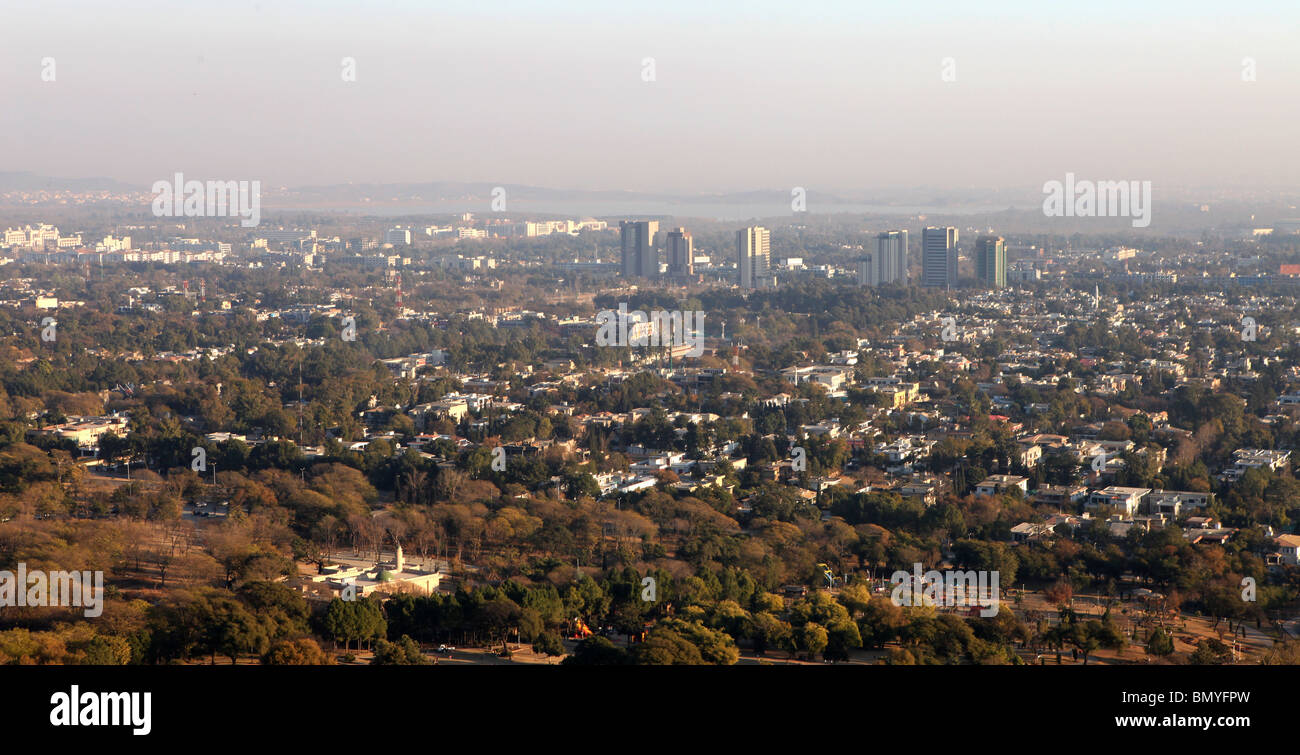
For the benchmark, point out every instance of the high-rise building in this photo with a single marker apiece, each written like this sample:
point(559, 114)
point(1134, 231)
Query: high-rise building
point(640, 255)
point(939, 257)
point(398, 236)
point(891, 257)
point(991, 260)
point(753, 256)
point(867, 271)
point(679, 248)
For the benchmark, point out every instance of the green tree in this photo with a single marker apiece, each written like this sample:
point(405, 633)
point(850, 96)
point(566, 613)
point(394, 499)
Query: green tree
point(1160, 643)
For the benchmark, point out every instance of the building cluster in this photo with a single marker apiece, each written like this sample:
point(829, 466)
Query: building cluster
point(648, 253)
point(940, 257)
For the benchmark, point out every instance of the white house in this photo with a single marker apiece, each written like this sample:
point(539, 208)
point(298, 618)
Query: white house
point(998, 483)
point(1289, 548)
point(1123, 499)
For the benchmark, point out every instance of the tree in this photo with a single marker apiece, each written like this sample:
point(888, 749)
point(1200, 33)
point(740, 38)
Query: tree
point(1160, 644)
point(812, 638)
point(665, 647)
point(349, 620)
point(404, 652)
point(548, 643)
point(235, 631)
point(300, 652)
point(767, 631)
point(597, 651)
point(1060, 594)
point(285, 609)
point(107, 650)
point(1211, 652)
point(578, 484)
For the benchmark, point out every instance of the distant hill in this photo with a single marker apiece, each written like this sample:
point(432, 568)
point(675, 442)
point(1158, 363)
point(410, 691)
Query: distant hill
point(457, 190)
point(27, 181)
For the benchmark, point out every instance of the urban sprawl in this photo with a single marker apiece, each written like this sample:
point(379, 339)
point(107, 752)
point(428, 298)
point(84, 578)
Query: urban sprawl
point(479, 438)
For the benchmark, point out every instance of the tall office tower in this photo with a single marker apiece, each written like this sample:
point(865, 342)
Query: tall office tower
point(753, 255)
point(939, 257)
point(679, 248)
point(991, 260)
point(891, 257)
point(640, 257)
point(867, 273)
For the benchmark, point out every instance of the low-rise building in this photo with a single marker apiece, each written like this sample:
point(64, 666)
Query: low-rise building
point(1001, 483)
point(1126, 500)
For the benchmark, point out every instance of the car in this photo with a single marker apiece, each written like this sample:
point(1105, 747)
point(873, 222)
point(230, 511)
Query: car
point(446, 649)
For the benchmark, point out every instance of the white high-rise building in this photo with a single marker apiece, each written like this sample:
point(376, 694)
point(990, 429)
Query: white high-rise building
point(889, 262)
point(939, 257)
point(891, 257)
point(753, 256)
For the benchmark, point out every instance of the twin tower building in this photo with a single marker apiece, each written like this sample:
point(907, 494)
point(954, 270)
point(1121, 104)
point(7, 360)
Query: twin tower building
point(939, 254)
point(642, 244)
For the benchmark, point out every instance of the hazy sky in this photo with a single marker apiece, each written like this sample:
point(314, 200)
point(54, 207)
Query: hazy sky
point(748, 95)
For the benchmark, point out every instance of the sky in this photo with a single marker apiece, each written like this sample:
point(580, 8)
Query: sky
point(752, 95)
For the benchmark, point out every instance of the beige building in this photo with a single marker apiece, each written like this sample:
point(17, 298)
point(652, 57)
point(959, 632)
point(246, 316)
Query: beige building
point(390, 578)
